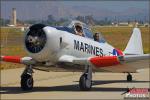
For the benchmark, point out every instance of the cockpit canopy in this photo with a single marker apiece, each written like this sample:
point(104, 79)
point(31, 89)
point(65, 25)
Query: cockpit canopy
point(85, 30)
point(81, 29)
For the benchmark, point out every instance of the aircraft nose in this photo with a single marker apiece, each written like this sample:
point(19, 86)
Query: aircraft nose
point(36, 38)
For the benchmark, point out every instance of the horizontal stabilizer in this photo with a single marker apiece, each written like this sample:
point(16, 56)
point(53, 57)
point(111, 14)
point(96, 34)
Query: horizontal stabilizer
point(131, 58)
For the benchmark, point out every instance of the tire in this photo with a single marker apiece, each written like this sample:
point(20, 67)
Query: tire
point(26, 82)
point(83, 83)
point(129, 78)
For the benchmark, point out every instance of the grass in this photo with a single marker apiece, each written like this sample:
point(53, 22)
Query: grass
point(11, 44)
point(12, 40)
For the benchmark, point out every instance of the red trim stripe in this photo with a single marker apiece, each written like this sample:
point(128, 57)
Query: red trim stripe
point(104, 61)
point(14, 59)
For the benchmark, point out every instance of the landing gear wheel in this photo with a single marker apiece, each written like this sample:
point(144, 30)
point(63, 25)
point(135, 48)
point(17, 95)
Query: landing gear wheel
point(84, 83)
point(129, 77)
point(26, 82)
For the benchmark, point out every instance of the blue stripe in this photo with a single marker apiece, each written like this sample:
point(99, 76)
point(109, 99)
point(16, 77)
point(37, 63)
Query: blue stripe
point(67, 29)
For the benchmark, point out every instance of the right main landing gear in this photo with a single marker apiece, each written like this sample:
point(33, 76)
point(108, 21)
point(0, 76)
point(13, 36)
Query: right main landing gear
point(27, 79)
point(85, 82)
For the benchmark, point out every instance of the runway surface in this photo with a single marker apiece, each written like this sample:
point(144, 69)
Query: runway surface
point(64, 85)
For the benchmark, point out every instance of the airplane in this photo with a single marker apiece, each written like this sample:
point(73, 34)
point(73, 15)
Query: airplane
point(49, 45)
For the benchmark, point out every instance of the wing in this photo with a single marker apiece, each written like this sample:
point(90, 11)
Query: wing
point(17, 59)
point(110, 63)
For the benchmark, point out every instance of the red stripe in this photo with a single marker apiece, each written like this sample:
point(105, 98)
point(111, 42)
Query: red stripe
point(104, 61)
point(14, 59)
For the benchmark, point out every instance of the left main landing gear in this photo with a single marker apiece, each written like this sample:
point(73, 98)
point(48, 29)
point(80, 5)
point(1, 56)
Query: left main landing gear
point(129, 77)
point(85, 82)
point(27, 79)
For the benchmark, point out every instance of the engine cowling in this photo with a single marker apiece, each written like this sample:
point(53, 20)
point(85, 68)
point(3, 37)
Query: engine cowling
point(42, 42)
point(36, 42)
point(35, 38)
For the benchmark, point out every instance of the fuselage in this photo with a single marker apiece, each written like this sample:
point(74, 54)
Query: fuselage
point(61, 42)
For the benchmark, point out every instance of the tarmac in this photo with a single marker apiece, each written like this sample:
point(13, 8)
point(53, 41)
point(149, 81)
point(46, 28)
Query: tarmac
point(64, 85)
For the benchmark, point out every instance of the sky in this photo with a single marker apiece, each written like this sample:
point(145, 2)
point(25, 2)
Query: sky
point(41, 9)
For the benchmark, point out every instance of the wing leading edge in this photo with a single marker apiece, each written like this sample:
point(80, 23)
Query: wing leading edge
point(109, 63)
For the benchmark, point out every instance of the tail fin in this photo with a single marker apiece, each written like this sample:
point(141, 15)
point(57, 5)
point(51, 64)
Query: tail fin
point(134, 45)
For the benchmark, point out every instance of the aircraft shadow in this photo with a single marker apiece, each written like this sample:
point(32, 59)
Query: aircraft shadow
point(70, 88)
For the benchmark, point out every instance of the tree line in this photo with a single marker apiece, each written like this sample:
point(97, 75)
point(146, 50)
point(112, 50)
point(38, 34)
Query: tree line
point(51, 20)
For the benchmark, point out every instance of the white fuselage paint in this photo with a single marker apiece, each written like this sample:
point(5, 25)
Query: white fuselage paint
point(62, 43)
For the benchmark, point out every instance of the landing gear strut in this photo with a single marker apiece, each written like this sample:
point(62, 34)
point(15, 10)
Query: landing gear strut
point(26, 78)
point(85, 82)
point(129, 77)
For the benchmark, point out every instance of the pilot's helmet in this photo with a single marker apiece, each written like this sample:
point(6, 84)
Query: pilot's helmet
point(78, 27)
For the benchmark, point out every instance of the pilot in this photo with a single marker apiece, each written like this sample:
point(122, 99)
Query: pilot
point(96, 37)
point(79, 30)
